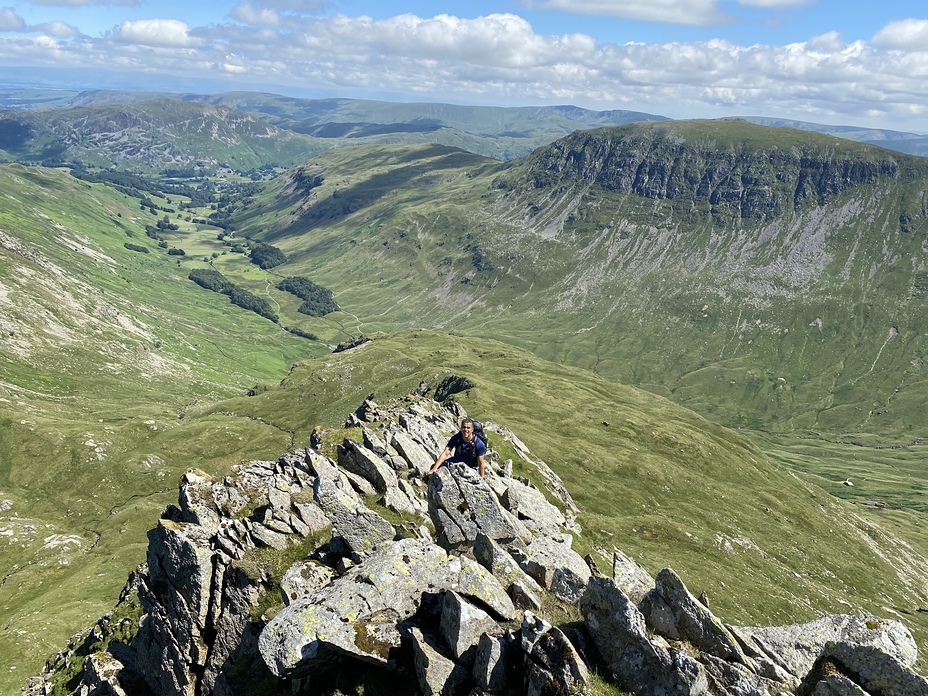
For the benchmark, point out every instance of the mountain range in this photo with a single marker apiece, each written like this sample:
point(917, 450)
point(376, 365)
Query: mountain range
point(770, 279)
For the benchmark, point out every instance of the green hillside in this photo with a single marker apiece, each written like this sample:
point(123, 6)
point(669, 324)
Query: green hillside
point(150, 137)
point(769, 279)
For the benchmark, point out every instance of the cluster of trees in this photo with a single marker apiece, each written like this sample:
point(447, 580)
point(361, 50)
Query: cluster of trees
point(317, 300)
point(266, 256)
point(136, 247)
point(215, 281)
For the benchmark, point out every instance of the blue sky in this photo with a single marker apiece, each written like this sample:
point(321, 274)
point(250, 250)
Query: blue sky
point(814, 60)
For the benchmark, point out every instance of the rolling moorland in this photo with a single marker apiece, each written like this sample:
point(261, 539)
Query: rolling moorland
point(769, 280)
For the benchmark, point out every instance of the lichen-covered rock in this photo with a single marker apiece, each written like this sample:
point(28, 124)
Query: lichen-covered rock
point(412, 452)
point(437, 675)
point(354, 614)
point(359, 460)
point(639, 664)
point(634, 580)
point(304, 578)
point(799, 646)
point(555, 566)
point(176, 598)
point(462, 625)
point(462, 505)
point(490, 669)
point(494, 557)
point(671, 611)
point(101, 676)
point(196, 500)
point(554, 666)
point(354, 526)
point(532, 508)
point(876, 671)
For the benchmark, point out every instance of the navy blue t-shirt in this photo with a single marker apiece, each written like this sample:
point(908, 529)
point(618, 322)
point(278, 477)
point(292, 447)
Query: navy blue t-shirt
point(466, 452)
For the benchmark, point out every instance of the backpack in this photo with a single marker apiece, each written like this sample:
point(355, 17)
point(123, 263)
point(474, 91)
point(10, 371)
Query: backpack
point(481, 434)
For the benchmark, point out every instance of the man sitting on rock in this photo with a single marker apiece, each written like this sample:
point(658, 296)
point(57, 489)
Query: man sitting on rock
point(468, 449)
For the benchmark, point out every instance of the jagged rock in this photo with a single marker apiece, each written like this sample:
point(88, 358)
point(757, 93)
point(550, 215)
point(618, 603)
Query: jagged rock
point(671, 611)
point(634, 580)
point(365, 463)
point(533, 628)
point(874, 670)
point(304, 578)
point(176, 601)
point(374, 442)
point(552, 563)
point(436, 673)
point(462, 505)
point(797, 647)
point(196, 500)
point(523, 596)
point(554, 482)
point(353, 524)
point(837, 685)
point(230, 619)
point(523, 589)
point(490, 671)
point(278, 495)
point(461, 626)
point(313, 516)
point(554, 666)
point(640, 665)
point(265, 536)
point(414, 454)
point(425, 426)
point(532, 508)
point(101, 676)
point(355, 613)
point(360, 484)
point(733, 679)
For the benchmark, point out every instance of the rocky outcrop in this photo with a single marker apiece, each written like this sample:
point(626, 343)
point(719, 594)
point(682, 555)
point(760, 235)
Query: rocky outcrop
point(689, 162)
point(292, 576)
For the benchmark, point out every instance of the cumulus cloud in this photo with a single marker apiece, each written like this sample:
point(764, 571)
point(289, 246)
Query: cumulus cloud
point(10, 21)
point(905, 35)
point(61, 30)
point(501, 59)
point(692, 12)
point(156, 32)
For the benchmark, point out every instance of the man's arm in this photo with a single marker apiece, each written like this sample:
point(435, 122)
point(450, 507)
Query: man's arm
point(481, 464)
point(438, 462)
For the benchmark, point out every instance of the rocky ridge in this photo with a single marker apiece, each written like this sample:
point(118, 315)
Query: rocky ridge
point(316, 573)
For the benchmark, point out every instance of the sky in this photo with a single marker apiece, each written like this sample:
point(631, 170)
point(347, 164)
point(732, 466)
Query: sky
point(839, 62)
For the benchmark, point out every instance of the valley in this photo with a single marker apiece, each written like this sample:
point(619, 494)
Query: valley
point(768, 280)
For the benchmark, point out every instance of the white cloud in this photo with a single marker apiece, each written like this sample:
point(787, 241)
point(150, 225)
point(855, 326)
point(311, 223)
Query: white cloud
point(62, 30)
point(500, 59)
point(10, 21)
point(253, 14)
point(692, 12)
point(905, 35)
point(156, 32)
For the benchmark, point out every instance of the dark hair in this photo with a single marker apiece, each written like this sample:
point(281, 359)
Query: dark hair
point(467, 420)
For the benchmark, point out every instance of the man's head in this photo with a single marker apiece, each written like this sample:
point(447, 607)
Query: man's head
point(467, 429)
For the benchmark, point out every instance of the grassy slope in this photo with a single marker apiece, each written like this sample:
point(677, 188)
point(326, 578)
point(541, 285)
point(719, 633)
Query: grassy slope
point(151, 136)
point(792, 329)
point(104, 350)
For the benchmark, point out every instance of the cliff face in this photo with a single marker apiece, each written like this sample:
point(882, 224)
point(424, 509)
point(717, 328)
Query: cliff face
point(746, 180)
point(283, 578)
